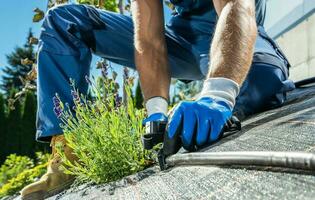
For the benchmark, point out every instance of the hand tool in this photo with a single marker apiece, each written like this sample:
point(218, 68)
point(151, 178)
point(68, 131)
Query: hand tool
point(157, 130)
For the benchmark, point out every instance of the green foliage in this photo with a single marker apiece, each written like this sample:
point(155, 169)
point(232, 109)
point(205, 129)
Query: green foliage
point(184, 91)
point(138, 97)
point(42, 158)
point(3, 130)
point(29, 144)
point(14, 129)
point(26, 177)
point(20, 63)
point(14, 165)
point(105, 135)
point(39, 15)
point(17, 122)
point(17, 129)
point(19, 171)
point(169, 5)
point(110, 5)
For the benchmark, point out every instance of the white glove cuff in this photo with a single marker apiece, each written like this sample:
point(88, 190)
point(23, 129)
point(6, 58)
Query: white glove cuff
point(156, 105)
point(222, 89)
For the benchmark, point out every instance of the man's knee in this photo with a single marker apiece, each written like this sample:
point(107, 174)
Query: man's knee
point(70, 26)
point(59, 16)
point(83, 16)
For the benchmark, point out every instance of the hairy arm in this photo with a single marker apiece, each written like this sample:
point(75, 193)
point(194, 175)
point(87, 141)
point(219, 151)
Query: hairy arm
point(150, 48)
point(234, 39)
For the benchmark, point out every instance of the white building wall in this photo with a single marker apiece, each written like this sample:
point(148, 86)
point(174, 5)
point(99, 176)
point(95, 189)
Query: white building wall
point(298, 43)
point(278, 9)
point(299, 46)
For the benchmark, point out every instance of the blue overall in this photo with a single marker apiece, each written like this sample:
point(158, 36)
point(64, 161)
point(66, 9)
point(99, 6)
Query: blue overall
point(71, 33)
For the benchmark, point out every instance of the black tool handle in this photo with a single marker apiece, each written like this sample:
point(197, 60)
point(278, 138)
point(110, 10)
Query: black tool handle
point(155, 134)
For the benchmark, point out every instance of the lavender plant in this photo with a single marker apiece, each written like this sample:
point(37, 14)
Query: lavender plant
point(104, 133)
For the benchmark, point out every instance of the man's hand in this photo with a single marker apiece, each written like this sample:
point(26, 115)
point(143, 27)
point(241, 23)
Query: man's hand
point(194, 124)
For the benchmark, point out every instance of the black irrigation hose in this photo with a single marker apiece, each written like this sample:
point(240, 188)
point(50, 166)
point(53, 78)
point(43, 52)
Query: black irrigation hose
point(294, 160)
point(304, 82)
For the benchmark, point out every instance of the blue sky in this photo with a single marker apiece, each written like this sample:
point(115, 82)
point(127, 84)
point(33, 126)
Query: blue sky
point(16, 19)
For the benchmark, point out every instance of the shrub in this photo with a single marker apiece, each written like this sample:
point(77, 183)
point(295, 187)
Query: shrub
point(3, 129)
point(26, 177)
point(14, 165)
point(104, 134)
point(19, 171)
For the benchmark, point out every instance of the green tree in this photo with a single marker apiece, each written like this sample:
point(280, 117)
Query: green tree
point(29, 146)
point(20, 63)
point(2, 128)
point(28, 124)
point(14, 130)
point(138, 99)
point(185, 91)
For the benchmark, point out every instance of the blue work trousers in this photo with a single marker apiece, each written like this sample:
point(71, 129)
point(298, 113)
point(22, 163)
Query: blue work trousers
point(71, 33)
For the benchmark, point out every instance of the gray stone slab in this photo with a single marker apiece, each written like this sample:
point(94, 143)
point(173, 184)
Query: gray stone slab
point(289, 128)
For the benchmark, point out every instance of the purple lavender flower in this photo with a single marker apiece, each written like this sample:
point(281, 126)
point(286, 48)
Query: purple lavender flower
point(118, 100)
point(126, 73)
point(58, 109)
point(56, 101)
point(75, 96)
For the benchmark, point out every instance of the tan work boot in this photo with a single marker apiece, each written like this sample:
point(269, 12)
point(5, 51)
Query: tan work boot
point(54, 181)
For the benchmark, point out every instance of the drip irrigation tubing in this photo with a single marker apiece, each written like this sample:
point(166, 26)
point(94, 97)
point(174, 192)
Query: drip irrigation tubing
point(293, 160)
point(305, 82)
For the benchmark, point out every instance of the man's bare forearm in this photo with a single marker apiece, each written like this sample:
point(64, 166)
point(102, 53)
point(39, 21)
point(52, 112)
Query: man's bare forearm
point(233, 43)
point(150, 48)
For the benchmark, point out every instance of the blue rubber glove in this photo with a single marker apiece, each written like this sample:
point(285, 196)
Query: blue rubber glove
point(155, 117)
point(194, 124)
